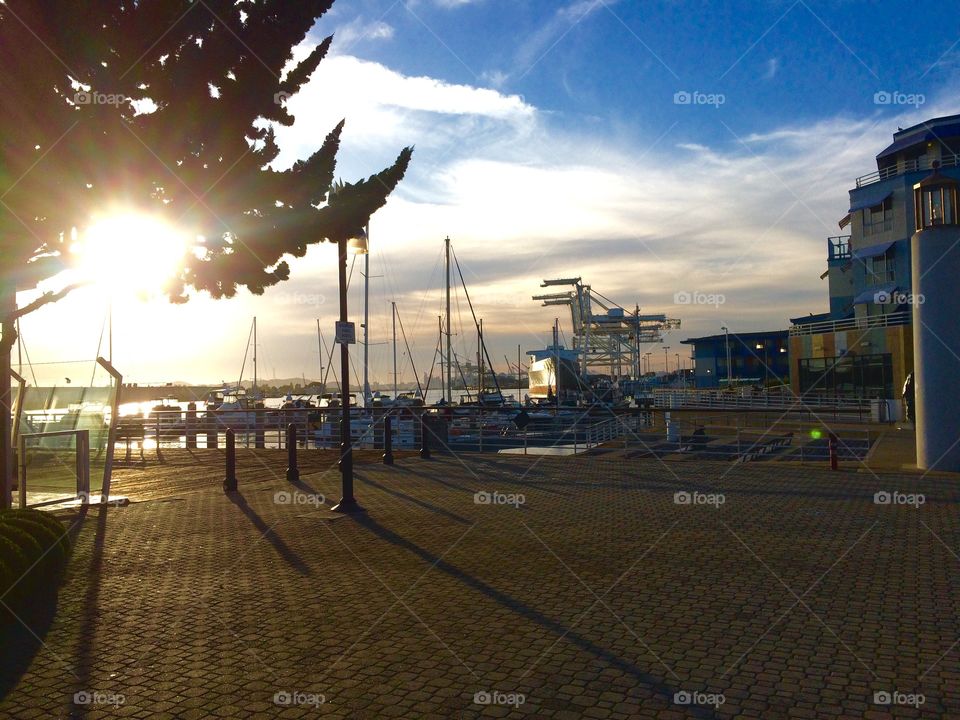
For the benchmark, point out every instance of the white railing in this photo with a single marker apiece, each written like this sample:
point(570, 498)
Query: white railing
point(747, 400)
point(908, 166)
point(903, 317)
point(601, 432)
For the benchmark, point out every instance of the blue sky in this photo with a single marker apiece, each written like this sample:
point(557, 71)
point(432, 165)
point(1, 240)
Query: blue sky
point(617, 63)
point(651, 147)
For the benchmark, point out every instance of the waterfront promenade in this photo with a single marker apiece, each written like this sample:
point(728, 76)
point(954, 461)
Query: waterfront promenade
point(596, 587)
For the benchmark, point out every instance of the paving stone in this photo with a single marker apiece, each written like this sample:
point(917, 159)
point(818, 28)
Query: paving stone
point(193, 604)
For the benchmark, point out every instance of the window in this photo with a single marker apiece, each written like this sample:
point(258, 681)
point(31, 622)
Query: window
point(880, 269)
point(859, 376)
point(879, 218)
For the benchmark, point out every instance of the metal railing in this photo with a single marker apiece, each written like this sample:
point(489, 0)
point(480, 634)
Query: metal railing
point(902, 317)
point(907, 166)
point(456, 429)
point(782, 440)
point(810, 403)
point(80, 470)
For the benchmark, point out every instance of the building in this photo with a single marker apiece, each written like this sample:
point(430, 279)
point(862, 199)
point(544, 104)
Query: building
point(757, 358)
point(863, 347)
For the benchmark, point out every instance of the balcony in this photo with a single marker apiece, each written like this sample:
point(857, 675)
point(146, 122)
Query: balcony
point(902, 317)
point(907, 166)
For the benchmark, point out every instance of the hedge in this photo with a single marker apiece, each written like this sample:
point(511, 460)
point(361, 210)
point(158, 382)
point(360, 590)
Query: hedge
point(34, 549)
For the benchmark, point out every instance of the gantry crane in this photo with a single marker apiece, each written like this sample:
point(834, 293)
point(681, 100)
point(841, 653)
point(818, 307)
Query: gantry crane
point(610, 342)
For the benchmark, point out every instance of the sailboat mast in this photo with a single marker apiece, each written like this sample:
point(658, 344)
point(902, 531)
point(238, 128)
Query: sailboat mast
point(480, 358)
point(320, 351)
point(443, 392)
point(254, 355)
point(393, 316)
point(449, 352)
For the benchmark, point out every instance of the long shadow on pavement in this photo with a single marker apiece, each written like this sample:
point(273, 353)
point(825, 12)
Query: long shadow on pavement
point(420, 503)
point(651, 681)
point(294, 560)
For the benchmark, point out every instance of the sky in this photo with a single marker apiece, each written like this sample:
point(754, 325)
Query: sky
point(659, 150)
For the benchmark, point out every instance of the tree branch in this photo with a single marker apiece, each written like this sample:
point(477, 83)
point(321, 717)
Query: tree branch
point(45, 299)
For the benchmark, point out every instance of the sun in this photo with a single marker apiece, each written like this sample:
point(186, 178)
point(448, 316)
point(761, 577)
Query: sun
point(128, 251)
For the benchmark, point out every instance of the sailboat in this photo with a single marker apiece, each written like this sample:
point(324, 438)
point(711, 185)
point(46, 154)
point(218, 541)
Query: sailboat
point(234, 407)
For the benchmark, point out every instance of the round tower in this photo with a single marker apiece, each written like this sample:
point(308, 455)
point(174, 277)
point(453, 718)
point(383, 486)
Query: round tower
point(935, 260)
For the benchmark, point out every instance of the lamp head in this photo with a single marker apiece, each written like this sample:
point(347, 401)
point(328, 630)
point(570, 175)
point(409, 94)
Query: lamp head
point(358, 245)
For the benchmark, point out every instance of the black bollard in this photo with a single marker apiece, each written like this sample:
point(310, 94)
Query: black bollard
point(191, 425)
point(424, 440)
point(387, 441)
point(293, 473)
point(230, 481)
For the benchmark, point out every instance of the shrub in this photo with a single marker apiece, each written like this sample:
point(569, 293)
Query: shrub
point(6, 576)
point(33, 553)
point(45, 519)
point(28, 544)
point(16, 564)
point(54, 555)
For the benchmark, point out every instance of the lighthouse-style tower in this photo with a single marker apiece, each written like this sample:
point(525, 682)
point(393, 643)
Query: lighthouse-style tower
point(935, 259)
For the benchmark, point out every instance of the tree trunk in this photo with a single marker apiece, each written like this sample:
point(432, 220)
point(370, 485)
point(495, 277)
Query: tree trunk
point(8, 302)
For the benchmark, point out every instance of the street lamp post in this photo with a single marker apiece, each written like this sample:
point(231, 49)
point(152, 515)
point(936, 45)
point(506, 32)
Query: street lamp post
point(726, 332)
point(666, 367)
point(763, 346)
point(348, 503)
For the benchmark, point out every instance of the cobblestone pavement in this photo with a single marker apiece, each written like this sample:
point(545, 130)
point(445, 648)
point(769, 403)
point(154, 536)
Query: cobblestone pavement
point(570, 587)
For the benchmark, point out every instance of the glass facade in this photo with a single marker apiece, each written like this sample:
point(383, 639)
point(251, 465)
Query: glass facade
point(859, 376)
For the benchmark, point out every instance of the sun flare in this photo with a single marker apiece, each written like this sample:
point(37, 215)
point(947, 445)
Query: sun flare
point(131, 252)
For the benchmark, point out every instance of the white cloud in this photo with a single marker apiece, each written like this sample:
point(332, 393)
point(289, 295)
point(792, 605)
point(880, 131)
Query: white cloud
point(524, 199)
point(455, 3)
point(348, 35)
point(544, 41)
point(770, 68)
point(386, 110)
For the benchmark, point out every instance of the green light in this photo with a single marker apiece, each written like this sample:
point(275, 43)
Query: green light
point(816, 434)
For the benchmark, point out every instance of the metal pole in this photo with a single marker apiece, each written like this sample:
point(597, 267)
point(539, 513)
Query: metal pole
point(519, 379)
point(320, 350)
point(424, 439)
point(293, 472)
point(449, 351)
point(443, 392)
point(387, 440)
point(479, 359)
point(8, 304)
point(393, 311)
point(230, 481)
point(347, 502)
point(366, 321)
point(726, 332)
point(556, 361)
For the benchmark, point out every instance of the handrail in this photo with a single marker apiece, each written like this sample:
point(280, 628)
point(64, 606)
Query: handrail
point(907, 166)
point(903, 317)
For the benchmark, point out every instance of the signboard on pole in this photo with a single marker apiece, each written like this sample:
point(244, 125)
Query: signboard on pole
point(346, 333)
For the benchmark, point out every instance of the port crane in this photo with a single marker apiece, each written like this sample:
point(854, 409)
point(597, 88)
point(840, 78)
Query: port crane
point(608, 342)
